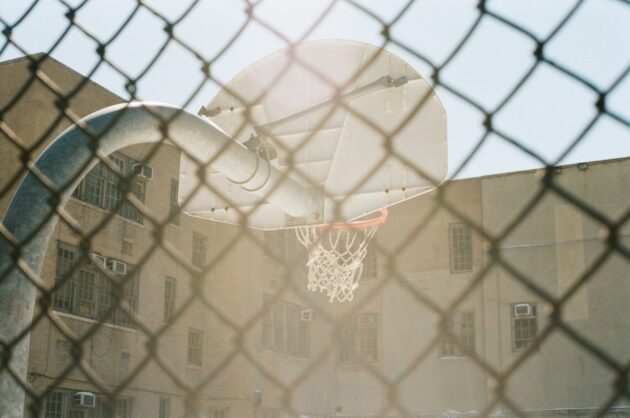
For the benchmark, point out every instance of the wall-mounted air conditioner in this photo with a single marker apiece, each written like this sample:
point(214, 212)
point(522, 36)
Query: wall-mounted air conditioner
point(84, 399)
point(523, 309)
point(143, 170)
point(117, 266)
point(306, 315)
point(99, 259)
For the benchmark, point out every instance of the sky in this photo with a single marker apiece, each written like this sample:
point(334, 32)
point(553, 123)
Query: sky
point(545, 115)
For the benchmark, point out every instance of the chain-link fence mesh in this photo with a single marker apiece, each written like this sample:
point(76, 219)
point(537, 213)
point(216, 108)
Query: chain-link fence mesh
point(499, 295)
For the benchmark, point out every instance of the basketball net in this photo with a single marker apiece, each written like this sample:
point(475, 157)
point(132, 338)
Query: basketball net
point(336, 253)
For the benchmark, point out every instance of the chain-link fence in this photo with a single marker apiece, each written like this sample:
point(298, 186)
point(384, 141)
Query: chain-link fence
point(489, 296)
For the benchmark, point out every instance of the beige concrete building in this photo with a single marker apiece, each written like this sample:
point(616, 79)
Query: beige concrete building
point(246, 339)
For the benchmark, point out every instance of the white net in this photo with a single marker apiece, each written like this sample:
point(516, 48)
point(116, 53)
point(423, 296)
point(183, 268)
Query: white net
point(335, 258)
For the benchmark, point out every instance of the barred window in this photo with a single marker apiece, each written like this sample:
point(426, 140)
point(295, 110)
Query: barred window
point(164, 410)
point(170, 286)
point(199, 250)
point(102, 187)
point(173, 204)
point(462, 340)
point(195, 346)
point(89, 293)
point(460, 244)
point(359, 340)
point(524, 327)
point(284, 330)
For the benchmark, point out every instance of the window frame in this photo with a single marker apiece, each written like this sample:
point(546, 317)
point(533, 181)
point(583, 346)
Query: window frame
point(217, 412)
point(363, 328)
point(460, 256)
point(283, 330)
point(277, 244)
point(514, 319)
point(370, 262)
point(65, 407)
point(170, 295)
point(164, 407)
point(91, 300)
point(173, 204)
point(101, 188)
point(199, 253)
point(125, 403)
point(195, 353)
point(450, 349)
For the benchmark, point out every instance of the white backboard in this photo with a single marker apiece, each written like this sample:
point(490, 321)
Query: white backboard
point(346, 119)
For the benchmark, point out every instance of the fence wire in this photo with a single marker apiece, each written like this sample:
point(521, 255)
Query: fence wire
point(110, 320)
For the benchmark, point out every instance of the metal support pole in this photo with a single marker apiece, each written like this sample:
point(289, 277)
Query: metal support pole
point(31, 217)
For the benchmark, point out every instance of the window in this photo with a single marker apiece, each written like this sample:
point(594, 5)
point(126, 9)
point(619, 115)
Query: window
point(89, 293)
point(123, 408)
point(462, 340)
point(164, 408)
point(195, 346)
point(169, 298)
point(460, 243)
point(276, 244)
point(284, 331)
point(370, 262)
point(173, 204)
point(217, 412)
point(54, 405)
point(59, 404)
point(127, 247)
point(359, 340)
point(104, 188)
point(524, 326)
point(199, 250)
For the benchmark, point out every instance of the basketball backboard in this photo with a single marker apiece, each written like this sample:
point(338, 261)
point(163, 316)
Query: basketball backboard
point(347, 120)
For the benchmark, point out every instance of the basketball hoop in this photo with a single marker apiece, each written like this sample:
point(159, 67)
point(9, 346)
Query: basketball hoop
point(336, 253)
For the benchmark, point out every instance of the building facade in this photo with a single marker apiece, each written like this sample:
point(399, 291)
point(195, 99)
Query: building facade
point(216, 321)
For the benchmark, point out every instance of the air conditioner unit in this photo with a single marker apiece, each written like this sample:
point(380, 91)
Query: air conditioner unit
point(143, 170)
point(116, 266)
point(306, 315)
point(84, 399)
point(523, 309)
point(99, 259)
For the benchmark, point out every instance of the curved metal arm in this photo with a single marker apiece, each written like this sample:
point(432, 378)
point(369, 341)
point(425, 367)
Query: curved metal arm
point(30, 217)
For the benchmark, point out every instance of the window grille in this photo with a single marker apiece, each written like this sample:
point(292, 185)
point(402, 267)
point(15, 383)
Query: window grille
point(460, 243)
point(215, 412)
point(199, 250)
point(461, 342)
point(283, 331)
point(359, 340)
point(164, 408)
point(123, 408)
point(59, 404)
point(170, 286)
point(54, 405)
point(524, 329)
point(173, 204)
point(195, 347)
point(276, 244)
point(104, 188)
point(85, 291)
point(370, 262)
